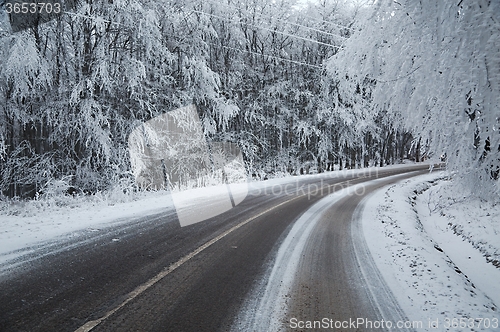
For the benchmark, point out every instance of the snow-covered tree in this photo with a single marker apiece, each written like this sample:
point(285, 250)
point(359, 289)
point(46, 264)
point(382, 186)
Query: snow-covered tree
point(74, 88)
point(434, 70)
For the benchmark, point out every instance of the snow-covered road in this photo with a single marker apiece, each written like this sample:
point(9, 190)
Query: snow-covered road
point(26, 228)
point(333, 252)
point(322, 274)
point(148, 272)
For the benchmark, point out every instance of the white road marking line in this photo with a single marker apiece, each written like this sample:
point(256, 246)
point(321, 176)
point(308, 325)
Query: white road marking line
point(140, 289)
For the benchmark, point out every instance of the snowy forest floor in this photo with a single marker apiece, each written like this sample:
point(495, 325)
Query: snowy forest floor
point(439, 252)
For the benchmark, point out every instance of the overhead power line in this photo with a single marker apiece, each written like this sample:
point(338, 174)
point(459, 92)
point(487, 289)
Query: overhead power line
point(330, 23)
point(270, 56)
point(223, 18)
point(278, 19)
point(266, 29)
point(226, 47)
point(269, 16)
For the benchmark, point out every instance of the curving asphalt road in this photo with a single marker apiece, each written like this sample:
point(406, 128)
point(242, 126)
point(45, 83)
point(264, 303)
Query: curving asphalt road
point(161, 277)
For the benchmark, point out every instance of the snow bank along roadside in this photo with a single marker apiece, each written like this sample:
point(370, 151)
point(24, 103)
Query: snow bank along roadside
point(25, 234)
point(26, 225)
point(438, 251)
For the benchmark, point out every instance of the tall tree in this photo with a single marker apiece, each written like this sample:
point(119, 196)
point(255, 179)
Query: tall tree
point(436, 73)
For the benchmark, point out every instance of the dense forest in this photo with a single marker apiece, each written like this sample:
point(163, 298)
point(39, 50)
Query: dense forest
point(299, 86)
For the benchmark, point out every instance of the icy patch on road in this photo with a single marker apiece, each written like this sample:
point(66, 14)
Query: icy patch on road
point(436, 252)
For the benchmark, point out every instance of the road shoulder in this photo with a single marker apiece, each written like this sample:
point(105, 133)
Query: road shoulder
point(429, 262)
